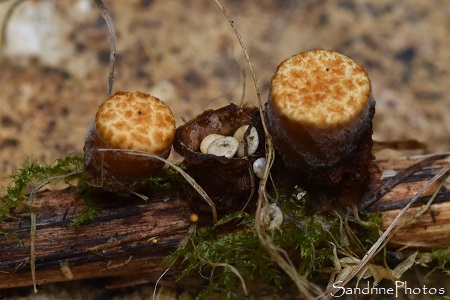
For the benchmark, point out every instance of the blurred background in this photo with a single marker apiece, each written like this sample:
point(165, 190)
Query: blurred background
point(54, 64)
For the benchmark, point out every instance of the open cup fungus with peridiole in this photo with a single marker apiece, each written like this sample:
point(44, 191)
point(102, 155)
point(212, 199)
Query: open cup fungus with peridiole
point(127, 121)
point(219, 147)
point(319, 114)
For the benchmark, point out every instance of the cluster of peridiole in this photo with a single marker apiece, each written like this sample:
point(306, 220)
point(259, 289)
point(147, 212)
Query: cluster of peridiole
point(319, 115)
point(219, 147)
point(244, 142)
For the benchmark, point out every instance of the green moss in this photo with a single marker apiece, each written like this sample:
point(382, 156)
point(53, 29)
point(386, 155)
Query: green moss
point(209, 245)
point(310, 241)
point(169, 182)
point(33, 174)
point(88, 213)
point(440, 256)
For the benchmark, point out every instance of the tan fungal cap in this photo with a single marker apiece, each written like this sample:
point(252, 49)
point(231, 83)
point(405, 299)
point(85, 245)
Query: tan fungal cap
point(136, 121)
point(320, 88)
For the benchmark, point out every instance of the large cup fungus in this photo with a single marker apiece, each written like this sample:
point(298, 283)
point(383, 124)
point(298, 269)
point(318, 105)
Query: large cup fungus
point(319, 114)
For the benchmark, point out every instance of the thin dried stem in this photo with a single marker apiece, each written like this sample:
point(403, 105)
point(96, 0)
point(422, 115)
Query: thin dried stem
point(250, 65)
point(302, 284)
point(5, 21)
point(252, 192)
point(39, 185)
point(159, 279)
point(244, 87)
point(385, 188)
point(234, 270)
point(399, 145)
point(418, 214)
point(186, 176)
point(33, 250)
point(373, 250)
point(112, 39)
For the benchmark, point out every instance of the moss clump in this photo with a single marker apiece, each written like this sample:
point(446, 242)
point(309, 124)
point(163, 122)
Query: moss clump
point(310, 240)
point(33, 175)
point(211, 249)
point(169, 181)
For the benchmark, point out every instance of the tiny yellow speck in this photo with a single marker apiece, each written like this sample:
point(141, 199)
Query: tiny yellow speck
point(154, 241)
point(193, 218)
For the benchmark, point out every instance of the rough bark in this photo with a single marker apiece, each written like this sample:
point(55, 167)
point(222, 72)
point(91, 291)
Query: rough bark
point(431, 229)
point(130, 236)
point(127, 237)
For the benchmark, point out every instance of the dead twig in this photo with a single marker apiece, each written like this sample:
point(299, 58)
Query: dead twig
point(112, 38)
point(373, 250)
point(385, 188)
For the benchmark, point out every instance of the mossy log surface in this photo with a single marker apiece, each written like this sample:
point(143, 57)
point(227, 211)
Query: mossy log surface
point(130, 236)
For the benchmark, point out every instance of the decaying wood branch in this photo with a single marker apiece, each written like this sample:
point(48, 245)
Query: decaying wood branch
point(127, 237)
point(130, 236)
point(432, 227)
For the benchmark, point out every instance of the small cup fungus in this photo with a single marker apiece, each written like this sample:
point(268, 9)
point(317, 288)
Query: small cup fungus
point(127, 121)
point(319, 114)
point(211, 153)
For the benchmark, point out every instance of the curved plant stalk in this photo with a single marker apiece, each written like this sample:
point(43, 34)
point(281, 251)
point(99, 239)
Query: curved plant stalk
point(244, 88)
point(385, 188)
point(303, 285)
point(422, 210)
point(252, 192)
point(159, 278)
point(36, 187)
point(232, 269)
point(225, 265)
point(112, 39)
point(4, 24)
point(186, 176)
point(33, 250)
point(39, 185)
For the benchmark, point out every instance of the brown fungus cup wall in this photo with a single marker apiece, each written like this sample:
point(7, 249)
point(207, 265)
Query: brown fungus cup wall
point(227, 181)
point(319, 114)
point(127, 121)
